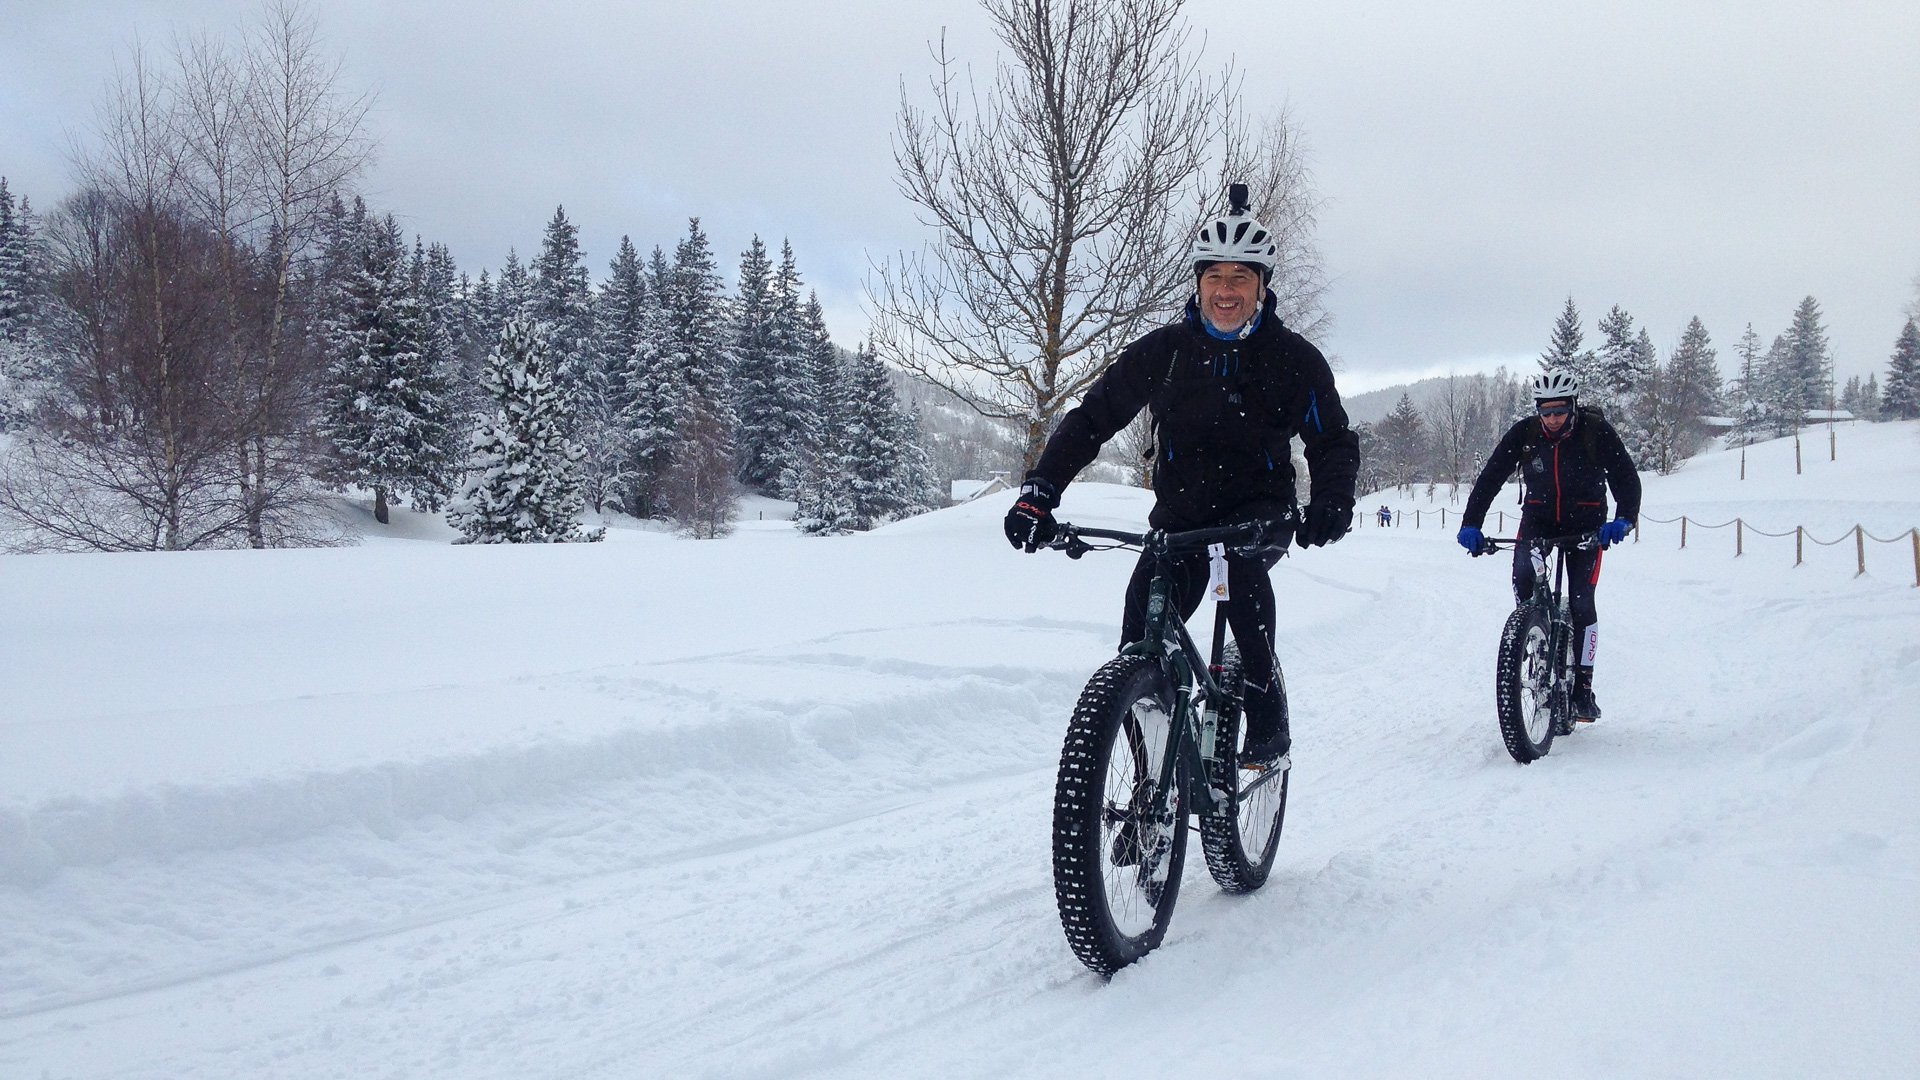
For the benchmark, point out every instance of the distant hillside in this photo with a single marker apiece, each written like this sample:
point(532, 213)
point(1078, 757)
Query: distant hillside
point(1374, 405)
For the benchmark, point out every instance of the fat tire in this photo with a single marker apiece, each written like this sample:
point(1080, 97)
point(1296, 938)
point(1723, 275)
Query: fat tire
point(1084, 883)
point(1234, 868)
point(1516, 680)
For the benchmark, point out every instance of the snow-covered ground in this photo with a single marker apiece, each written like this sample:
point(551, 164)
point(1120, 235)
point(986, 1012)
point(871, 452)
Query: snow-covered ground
point(773, 806)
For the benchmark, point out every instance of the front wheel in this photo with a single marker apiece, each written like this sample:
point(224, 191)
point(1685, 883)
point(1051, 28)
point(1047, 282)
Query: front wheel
point(1524, 684)
point(1240, 842)
point(1119, 842)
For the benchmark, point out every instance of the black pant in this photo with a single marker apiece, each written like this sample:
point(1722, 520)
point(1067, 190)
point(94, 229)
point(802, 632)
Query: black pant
point(1249, 603)
point(1583, 576)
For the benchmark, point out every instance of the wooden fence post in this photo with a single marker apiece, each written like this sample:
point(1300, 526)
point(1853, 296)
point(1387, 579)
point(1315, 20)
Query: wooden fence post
point(1798, 551)
point(1503, 521)
point(1683, 530)
point(1443, 517)
point(1743, 463)
point(1860, 549)
point(1796, 453)
point(1739, 538)
point(1916, 556)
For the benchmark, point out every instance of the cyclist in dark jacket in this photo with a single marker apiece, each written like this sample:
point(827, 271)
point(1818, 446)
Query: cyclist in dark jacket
point(1227, 386)
point(1568, 457)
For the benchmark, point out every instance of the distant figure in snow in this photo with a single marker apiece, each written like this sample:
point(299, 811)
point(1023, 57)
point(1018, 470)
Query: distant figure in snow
point(1386, 516)
point(1568, 456)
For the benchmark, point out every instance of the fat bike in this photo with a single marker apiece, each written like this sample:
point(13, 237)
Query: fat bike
point(1533, 678)
point(1155, 739)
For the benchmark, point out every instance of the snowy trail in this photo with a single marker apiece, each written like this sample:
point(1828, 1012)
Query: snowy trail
point(807, 836)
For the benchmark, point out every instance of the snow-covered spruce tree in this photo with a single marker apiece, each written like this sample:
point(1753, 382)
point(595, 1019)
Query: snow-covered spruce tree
point(795, 327)
point(818, 480)
point(685, 362)
point(920, 487)
point(521, 485)
point(25, 368)
point(1621, 363)
point(1565, 352)
point(620, 313)
point(757, 380)
point(1804, 377)
point(874, 456)
point(562, 298)
point(657, 396)
point(1901, 398)
point(385, 417)
point(1745, 398)
point(1861, 397)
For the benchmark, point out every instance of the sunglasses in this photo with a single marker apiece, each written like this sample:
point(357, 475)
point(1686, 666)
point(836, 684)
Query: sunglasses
point(1556, 410)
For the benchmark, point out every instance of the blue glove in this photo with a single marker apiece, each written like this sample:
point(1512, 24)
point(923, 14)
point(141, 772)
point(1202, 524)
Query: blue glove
point(1470, 539)
point(1614, 531)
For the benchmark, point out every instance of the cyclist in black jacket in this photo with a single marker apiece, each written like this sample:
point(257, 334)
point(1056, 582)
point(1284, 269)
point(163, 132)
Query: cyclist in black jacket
point(1568, 457)
point(1227, 387)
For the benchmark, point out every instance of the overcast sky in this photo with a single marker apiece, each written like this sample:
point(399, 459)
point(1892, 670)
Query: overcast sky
point(1482, 161)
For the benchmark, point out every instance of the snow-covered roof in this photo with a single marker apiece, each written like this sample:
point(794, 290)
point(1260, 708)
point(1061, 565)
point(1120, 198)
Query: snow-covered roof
point(969, 490)
point(1821, 416)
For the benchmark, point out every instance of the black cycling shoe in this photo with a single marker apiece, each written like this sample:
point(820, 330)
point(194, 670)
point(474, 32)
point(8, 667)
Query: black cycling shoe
point(1585, 709)
point(1267, 738)
point(1262, 752)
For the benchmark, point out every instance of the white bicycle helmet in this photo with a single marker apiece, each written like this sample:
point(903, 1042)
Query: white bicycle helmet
point(1553, 386)
point(1238, 237)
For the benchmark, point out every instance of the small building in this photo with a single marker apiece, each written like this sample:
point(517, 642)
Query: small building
point(1829, 416)
point(965, 491)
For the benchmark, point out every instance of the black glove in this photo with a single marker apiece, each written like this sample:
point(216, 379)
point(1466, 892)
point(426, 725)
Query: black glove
point(1030, 523)
point(1328, 519)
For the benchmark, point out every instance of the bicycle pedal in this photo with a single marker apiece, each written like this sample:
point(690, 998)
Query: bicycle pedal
point(1282, 763)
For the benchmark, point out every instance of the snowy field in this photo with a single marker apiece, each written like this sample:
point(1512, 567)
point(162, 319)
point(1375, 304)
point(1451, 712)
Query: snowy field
point(779, 807)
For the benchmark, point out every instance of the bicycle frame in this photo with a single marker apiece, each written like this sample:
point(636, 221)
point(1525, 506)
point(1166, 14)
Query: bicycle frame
point(1199, 697)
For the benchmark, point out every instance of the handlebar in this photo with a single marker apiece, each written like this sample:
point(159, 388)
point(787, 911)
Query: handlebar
point(1586, 541)
point(1245, 538)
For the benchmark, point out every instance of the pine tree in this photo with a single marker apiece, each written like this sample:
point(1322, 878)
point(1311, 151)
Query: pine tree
point(758, 379)
point(1670, 404)
point(19, 277)
point(386, 415)
point(1621, 364)
point(874, 457)
point(561, 296)
point(1744, 396)
point(657, 395)
point(1803, 380)
point(795, 327)
point(1781, 407)
point(1564, 350)
point(818, 479)
point(25, 368)
point(1402, 440)
point(1900, 400)
point(694, 305)
point(521, 486)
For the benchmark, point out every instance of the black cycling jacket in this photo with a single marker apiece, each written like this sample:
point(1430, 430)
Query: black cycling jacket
point(1565, 478)
point(1224, 412)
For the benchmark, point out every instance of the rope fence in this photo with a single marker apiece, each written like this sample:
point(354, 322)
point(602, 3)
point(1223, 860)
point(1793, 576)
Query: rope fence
point(1801, 537)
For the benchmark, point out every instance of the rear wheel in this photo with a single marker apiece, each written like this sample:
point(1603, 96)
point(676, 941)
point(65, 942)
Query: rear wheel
point(1116, 860)
point(1524, 684)
point(1240, 842)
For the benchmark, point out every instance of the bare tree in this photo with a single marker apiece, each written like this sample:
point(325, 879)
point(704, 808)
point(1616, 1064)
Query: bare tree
point(307, 142)
point(699, 492)
point(1273, 165)
point(1061, 197)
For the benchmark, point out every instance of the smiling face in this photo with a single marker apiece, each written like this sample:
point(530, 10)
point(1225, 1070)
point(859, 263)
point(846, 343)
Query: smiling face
point(1229, 295)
